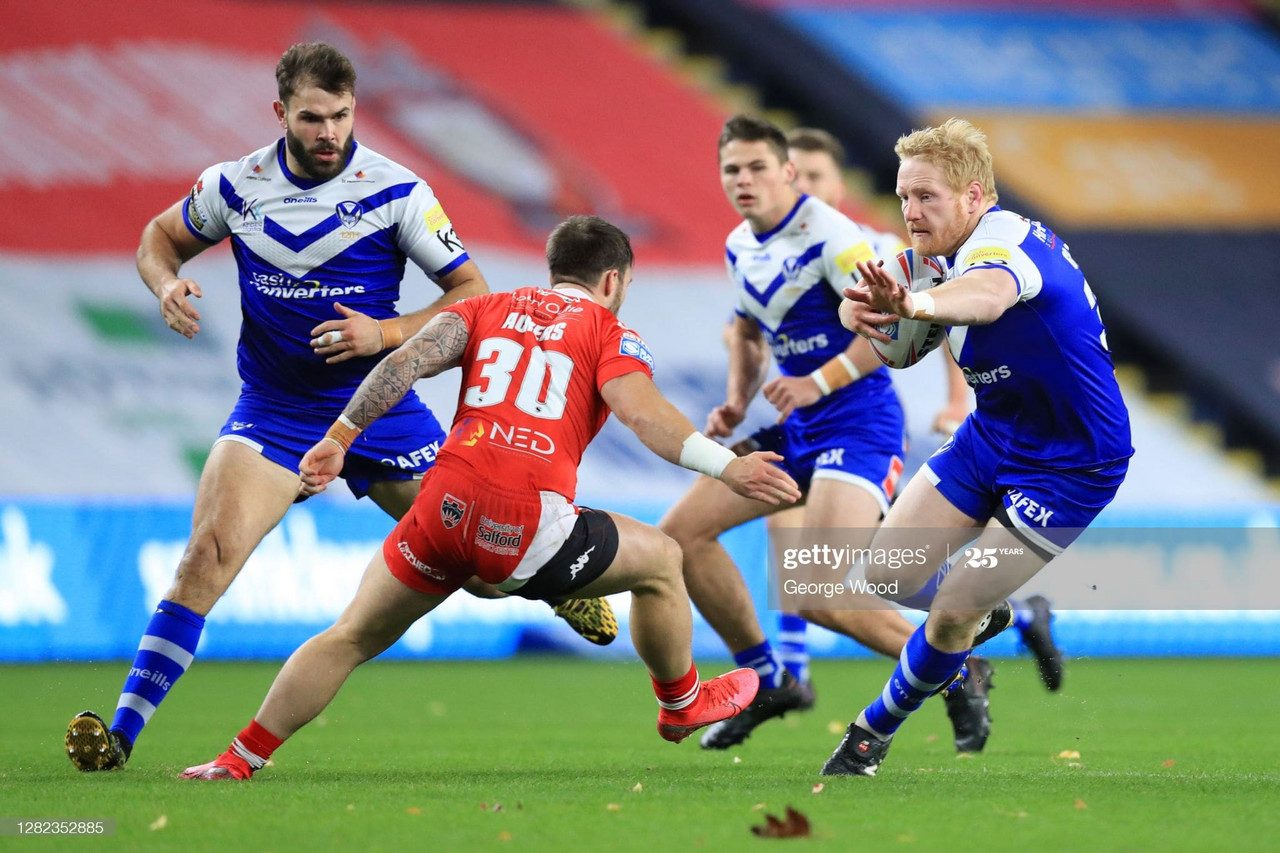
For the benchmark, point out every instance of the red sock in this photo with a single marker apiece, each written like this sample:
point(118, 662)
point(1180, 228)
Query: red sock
point(677, 694)
point(255, 744)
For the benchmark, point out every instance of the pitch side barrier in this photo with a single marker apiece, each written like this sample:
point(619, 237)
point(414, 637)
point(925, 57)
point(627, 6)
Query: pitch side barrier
point(79, 579)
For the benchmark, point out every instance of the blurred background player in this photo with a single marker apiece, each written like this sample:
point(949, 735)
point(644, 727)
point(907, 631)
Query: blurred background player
point(840, 427)
point(321, 229)
point(1046, 448)
point(542, 369)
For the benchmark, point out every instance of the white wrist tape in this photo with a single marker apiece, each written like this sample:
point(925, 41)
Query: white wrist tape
point(821, 381)
point(854, 373)
point(701, 454)
point(924, 306)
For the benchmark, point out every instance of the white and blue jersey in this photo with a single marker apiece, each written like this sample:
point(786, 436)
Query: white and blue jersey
point(789, 281)
point(1049, 439)
point(300, 246)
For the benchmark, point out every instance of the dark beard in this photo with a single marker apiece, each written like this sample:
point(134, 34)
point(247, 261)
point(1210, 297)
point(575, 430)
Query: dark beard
point(311, 166)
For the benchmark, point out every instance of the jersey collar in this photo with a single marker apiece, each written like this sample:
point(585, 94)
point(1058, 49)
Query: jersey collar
point(763, 238)
point(307, 183)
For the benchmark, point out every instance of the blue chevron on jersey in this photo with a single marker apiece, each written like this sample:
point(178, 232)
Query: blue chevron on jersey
point(790, 269)
point(801, 260)
point(298, 242)
point(302, 245)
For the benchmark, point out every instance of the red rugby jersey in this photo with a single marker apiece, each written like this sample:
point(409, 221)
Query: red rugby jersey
point(530, 401)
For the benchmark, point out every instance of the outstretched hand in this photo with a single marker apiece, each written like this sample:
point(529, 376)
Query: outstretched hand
point(756, 476)
point(354, 335)
point(876, 300)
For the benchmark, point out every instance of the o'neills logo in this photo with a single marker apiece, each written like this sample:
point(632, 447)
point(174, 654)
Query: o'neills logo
point(451, 511)
point(499, 538)
point(418, 564)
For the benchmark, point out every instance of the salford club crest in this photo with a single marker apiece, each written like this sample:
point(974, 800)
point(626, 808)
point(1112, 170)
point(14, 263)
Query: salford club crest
point(451, 511)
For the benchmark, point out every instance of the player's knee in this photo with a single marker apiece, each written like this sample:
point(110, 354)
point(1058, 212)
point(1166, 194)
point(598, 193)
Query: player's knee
point(356, 641)
point(686, 529)
point(207, 568)
point(665, 573)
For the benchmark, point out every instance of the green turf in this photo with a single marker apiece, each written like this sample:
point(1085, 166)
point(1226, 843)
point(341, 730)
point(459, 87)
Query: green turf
point(1174, 755)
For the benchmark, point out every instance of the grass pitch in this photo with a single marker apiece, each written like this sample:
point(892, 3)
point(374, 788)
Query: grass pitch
point(559, 754)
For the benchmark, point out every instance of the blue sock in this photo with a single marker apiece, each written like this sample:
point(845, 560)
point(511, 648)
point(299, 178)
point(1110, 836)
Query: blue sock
point(791, 645)
point(164, 654)
point(765, 661)
point(921, 670)
point(1022, 615)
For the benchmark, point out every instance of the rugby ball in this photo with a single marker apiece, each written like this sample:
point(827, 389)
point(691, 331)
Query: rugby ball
point(911, 340)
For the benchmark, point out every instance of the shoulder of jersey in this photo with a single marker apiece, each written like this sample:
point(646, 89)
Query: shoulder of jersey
point(741, 234)
point(260, 164)
point(376, 168)
point(820, 217)
point(1001, 225)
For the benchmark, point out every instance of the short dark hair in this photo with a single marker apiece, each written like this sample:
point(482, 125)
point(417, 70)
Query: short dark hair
point(753, 129)
point(315, 64)
point(815, 139)
point(583, 248)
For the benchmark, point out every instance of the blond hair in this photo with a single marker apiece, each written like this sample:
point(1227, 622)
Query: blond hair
point(957, 148)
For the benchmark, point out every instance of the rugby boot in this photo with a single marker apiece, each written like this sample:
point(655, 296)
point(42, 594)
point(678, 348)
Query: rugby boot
point(809, 696)
point(720, 698)
point(968, 706)
point(768, 704)
point(860, 754)
point(592, 618)
point(225, 766)
point(92, 746)
point(1038, 638)
point(1000, 618)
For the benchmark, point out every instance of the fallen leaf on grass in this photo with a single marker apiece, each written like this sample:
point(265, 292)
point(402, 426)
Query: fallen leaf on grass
point(795, 825)
point(416, 810)
point(737, 760)
point(931, 739)
point(637, 788)
point(614, 807)
point(835, 727)
point(757, 807)
point(1068, 753)
point(1168, 763)
point(160, 822)
point(817, 789)
point(504, 836)
point(1081, 804)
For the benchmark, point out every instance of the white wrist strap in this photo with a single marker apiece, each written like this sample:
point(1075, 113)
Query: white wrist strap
point(924, 306)
point(701, 454)
point(821, 381)
point(854, 373)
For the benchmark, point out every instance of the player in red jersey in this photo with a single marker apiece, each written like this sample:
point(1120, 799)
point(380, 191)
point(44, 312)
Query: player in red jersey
point(542, 369)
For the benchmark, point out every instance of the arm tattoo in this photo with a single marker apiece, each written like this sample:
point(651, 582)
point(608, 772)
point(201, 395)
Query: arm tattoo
point(436, 347)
